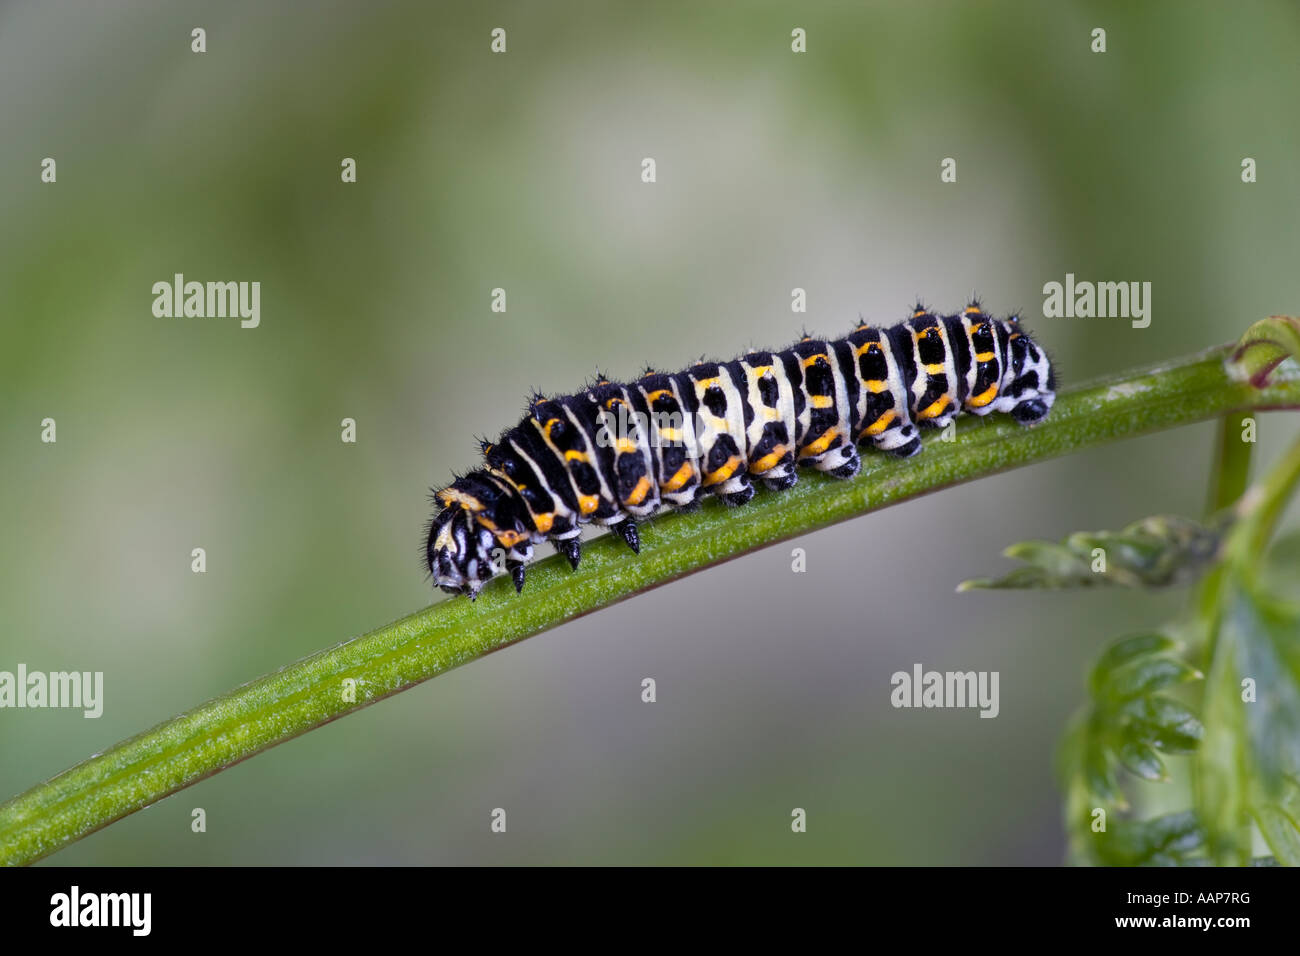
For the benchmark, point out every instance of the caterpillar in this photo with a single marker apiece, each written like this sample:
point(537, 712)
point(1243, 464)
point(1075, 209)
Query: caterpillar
point(614, 454)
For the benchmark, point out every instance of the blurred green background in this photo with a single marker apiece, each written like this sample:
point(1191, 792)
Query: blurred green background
point(522, 171)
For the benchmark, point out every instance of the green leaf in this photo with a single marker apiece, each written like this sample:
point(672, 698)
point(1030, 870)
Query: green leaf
point(1154, 552)
point(1019, 579)
point(1166, 723)
point(1145, 675)
point(1055, 560)
point(1122, 652)
point(1281, 832)
point(1099, 774)
point(1164, 840)
point(1126, 723)
point(1140, 759)
point(1262, 632)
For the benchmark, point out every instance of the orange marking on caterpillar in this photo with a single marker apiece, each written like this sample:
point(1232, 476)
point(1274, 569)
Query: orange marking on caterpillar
point(679, 480)
point(449, 496)
point(508, 539)
point(768, 461)
point(723, 473)
point(637, 495)
point(936, 408)
point(984, 397)
point(821, 444)
point(880, 424)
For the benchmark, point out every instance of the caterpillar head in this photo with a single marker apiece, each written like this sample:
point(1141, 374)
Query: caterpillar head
point(1028, 387)
point(477, 535)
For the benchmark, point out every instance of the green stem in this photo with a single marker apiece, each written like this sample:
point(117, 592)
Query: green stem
point(1260, 511)
point(203, 741)
point(1231, 463)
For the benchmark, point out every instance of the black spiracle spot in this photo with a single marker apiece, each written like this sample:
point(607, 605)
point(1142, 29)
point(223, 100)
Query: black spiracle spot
point(818, 378)
point(715, 400)
point(931, 349)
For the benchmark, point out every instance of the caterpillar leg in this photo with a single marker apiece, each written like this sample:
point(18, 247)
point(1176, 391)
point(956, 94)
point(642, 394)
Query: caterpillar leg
point(628, 530)
point(625, 525)
point(899, 436)
point(840, 460)
point(771, 458)
point(738, 490)
point(779, 476)
point(681, 483)
point(517, 571)
point(850, 466)
point(1031, 412)
point(939, 421)
point(570, 547)
point(907, 449)
point(893, 433)
point(779, 479)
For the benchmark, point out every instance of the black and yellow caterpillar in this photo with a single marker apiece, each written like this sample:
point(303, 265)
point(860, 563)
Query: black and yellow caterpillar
point(616, 453)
